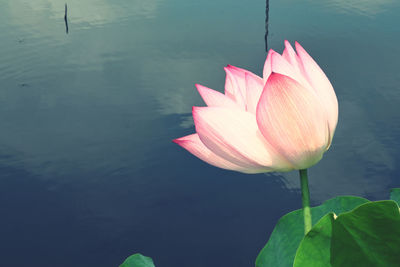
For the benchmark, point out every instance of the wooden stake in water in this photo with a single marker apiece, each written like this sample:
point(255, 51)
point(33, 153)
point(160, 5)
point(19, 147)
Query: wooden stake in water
point(266, 24)
point(66, 19)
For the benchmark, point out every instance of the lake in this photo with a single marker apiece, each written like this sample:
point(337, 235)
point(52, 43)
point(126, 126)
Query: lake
point(88, 171)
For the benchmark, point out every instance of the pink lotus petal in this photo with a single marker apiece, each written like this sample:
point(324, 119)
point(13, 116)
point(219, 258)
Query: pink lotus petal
point(193, 144)
point(267, 66)
point(234, 135)
point(240, 75)
point(290, 55)
point(293, 121)
point(318, 80)
point(214, 98)
point(281, 66)
point(254, 87)
point(233, 89)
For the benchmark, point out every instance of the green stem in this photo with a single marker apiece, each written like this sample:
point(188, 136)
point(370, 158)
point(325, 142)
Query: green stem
point(305, 197)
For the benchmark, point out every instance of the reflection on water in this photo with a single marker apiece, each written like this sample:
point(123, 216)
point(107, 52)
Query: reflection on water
point(83, 14)
point(358, 7)
point(89, 174)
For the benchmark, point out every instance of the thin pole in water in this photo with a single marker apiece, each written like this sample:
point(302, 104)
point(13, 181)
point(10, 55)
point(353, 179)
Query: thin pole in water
point(266, 24)
point(65, 19)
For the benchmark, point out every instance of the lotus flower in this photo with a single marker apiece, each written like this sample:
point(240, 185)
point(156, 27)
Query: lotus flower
point(281, 122)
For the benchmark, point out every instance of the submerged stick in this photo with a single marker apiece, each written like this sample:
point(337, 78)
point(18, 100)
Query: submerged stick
point(66, 19)
point(266, 24)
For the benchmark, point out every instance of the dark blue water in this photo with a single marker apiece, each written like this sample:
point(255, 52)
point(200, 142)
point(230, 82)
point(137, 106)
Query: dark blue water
point(88, 172)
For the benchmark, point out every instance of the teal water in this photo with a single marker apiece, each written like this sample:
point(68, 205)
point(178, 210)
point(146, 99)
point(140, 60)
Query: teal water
point(88, 172)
